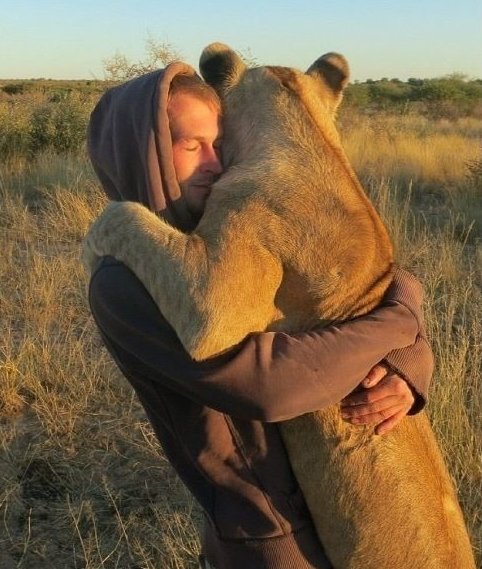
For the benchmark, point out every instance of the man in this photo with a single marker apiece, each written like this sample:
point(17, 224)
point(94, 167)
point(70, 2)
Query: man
point(156, 140)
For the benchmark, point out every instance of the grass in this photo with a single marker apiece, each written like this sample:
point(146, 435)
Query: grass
point(83, 481)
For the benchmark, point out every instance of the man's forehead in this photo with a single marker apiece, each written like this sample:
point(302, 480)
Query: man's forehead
point(181, 103)
point(193, 117)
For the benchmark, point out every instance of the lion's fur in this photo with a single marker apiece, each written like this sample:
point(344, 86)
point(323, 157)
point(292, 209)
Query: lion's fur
point(289, 240)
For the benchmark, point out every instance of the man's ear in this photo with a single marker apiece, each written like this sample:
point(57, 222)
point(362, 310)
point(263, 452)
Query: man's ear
point(333, 70)
point(221, 67)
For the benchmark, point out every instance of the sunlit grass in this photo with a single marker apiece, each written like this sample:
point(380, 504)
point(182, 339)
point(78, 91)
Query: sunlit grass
point(414, 149)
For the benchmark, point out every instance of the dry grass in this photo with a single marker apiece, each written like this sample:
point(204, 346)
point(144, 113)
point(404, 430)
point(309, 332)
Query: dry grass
point(83, 483)
point(413, 148)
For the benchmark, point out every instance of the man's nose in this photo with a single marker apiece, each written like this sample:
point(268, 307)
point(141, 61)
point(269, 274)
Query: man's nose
point(212, 161)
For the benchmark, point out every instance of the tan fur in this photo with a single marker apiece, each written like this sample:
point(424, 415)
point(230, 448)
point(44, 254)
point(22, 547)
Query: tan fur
point(289, 239)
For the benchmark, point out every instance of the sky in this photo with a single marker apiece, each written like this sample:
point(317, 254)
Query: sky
point(395, 39)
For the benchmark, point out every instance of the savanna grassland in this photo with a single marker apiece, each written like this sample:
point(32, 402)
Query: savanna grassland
point(83, 483)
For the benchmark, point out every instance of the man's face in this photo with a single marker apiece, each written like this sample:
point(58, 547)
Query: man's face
point(196, 136)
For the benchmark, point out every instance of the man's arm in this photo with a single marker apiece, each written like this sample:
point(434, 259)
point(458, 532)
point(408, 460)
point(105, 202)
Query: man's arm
point(399, 384)
point(268, 377)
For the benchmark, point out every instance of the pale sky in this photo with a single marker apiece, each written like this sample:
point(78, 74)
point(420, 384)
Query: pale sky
point(409, 38)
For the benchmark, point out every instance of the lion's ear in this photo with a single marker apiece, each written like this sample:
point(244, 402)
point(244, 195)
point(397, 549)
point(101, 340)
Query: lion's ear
point(220, 66)
point(333, 70)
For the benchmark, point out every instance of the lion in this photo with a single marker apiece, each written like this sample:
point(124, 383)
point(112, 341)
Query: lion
point(290, 229)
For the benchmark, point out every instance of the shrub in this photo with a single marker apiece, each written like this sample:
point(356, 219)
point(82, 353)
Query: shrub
point(59, 125)
point(41, 131)
point(14, 88)
point(70, 123)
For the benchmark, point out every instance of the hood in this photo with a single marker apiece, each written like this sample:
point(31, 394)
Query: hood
point(129, 144)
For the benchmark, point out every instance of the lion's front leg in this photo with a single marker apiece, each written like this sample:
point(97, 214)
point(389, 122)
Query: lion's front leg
point(125, 229)
point(155, 252)
point(213, 291)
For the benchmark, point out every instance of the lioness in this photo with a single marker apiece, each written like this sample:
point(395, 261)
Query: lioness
point(289, 228)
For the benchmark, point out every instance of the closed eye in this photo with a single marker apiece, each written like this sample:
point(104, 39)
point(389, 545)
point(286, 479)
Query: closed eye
point(191, 146)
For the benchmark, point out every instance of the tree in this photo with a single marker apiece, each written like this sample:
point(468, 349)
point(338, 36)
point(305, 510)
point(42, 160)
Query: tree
point(158, 54)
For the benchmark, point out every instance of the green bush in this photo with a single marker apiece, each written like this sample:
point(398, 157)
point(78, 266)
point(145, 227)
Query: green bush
point(59, 126)
point(41, 130)
point(449, 97)
point(70, 118)
point(45, 115)
point(14, 88)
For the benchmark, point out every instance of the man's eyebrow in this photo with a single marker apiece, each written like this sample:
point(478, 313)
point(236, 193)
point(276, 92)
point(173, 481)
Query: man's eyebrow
point(199, 138)
point(186, 138)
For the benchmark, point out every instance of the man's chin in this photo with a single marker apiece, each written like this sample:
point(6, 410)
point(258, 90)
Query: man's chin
point(200, 196)
point(196, 197)
point(196, 210)
point(203, 188)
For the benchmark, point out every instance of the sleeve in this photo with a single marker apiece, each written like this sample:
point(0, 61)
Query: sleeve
point(268, 377)
point(414, 363)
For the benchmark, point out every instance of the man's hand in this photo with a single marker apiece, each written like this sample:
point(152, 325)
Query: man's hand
point(383, 399)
